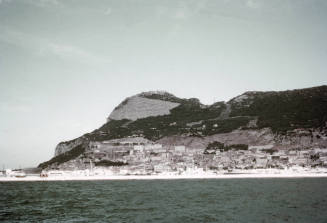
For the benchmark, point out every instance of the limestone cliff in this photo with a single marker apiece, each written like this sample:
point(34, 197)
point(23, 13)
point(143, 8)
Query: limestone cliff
point(138, 107)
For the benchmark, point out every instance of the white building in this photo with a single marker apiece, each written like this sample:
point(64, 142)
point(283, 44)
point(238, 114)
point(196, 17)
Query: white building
point(139, 148)
point(153, 146)
point(261, 147)
point(180, 149)
point(156, 158)
point(261, 162)
point(157, 146)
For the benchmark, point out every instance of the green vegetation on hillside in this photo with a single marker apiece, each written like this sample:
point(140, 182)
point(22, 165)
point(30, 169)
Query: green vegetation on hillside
point(225, 125)
point(64, 157)
point(110, 163)
point(111, 130)
point(166, 125)
point(282, 111)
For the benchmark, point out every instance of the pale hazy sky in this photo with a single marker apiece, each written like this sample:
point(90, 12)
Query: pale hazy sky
point(65, 64)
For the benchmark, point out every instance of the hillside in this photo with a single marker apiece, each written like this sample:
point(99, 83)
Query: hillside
point(156, 116)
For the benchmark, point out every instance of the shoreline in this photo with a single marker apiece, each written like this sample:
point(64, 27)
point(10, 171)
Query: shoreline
point(165, 177)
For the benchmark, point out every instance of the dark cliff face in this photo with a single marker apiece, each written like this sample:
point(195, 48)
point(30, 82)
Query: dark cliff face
point(280, 111)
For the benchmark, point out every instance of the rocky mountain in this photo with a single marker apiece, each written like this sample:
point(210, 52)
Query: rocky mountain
point(140, 106)
point(283, 120)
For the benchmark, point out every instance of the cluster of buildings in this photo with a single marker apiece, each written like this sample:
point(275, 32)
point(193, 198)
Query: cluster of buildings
point(140, 156)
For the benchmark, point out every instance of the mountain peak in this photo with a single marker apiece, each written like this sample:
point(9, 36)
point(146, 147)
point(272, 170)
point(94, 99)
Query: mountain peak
point(145, 104)
point(157, 92)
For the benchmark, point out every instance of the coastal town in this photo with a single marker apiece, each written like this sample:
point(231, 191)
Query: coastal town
point(156, 133)
point(139, 156)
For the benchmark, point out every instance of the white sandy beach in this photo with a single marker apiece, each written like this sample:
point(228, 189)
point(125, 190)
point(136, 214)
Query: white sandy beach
point(262, 174)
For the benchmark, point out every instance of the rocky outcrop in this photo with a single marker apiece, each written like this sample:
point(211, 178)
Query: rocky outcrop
point(137, 107)
point(69, 145)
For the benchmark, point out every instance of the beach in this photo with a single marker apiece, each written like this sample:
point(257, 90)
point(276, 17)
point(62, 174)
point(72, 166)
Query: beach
point(71, 176)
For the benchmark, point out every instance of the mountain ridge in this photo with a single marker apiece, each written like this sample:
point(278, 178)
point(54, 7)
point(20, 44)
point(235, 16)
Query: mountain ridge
point(162, 114)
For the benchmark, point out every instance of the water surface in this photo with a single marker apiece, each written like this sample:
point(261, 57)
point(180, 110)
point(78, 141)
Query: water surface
point(207, 200)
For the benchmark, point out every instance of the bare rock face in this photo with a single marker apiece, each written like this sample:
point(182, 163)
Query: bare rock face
point(137, 107)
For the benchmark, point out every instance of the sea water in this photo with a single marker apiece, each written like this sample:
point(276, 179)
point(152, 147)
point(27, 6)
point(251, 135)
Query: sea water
point(206, 200)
